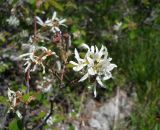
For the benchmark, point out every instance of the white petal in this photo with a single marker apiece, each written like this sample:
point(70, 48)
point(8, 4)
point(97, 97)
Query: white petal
point(96, 49)
point(64, 25)
point(39, 20)
point(48, 22)
point(91, 62)
point(92, 49)
point(57, 29)
point(32, 57)
point(34, 68)
point(54, 15)
point(107, 76)
point(85, 46)
point(101, 52)
point(99, 81)
point(62, 21)
point(11, 94)
point(91, 71)
point(41, 48)
point(83, 78)
point(53, 30)
point(73, 63)
point(24, 55)
point(28, 66)
point(111, 67)
point(43, 68)
point(76, 54)
point(78, 67)
point(95, 92)
point(19, 114)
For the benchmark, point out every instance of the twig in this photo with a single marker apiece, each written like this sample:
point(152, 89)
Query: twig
point(27, 77)
point(47, 117)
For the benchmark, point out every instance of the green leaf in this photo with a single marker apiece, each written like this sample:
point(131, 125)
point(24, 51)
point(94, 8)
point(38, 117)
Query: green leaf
point(3, 100)
point(15, 125)
point(41, 115)
point(71, 127)
point(39, 96)
point(32, 2)
point(70, 65)
point(55, 4)
point(26, 97)
point(24, 88)
point(58, 118)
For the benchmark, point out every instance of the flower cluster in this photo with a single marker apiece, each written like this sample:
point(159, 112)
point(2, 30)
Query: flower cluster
point(95, 63)
point(35, 56)
point(53, 23)
point(15, 98)
point(13, 21)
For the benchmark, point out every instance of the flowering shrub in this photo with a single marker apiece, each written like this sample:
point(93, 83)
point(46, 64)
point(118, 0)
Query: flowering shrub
point(95, 65)
point(50, 74)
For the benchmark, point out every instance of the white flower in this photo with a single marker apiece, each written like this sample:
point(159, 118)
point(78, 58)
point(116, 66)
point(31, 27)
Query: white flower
point(96, 63)
point(12, 97)
point(14, 100)
point(117, 26)
point(13, 21)
point(45, 85)
point(54, 22)
point(24, 34)
point(33, 59)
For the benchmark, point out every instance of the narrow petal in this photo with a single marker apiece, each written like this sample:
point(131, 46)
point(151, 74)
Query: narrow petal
point(92, 49)
point(28, 66)
point(96, 49)
point(91, 71)
point(42, 48)
point(43, 68)
point(85, 46)
point(39, 21)
point(95, 92)
point(64, 25)
point(76, 54)
point(24, 55)
point(107, 76)
point(83, 78)
point(54, 15)
point(73, 63)
point(19, 114)
point(78, 67)
point(111, 67)
point(99, 81)
point(91, 62)
point(62, 21)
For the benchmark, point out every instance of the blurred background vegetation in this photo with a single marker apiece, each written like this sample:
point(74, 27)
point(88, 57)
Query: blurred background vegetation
point(134, 47)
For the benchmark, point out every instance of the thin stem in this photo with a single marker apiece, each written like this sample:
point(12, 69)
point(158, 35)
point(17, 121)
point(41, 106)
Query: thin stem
point(47, 117)
point(27, 77)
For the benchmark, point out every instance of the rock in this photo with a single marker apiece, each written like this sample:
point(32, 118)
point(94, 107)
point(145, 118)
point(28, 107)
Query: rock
point(95, 124)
